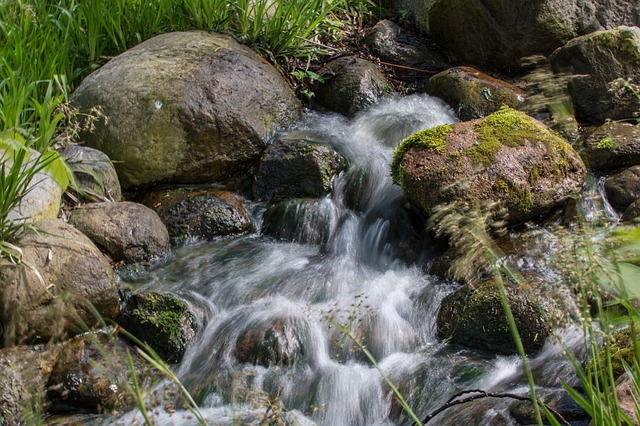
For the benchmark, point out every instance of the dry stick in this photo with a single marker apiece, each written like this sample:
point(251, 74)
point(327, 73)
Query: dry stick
point(484, 394)
point(406, 67)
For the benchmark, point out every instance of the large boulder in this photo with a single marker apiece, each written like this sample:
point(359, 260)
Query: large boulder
point(603, 63)
point(612, 146)
point(185, 107)
point(623, 188)
point(496, 34)
point(507, 157)
point(49, 293)
point(473, 317)
point(297, 164)
point(126, 231)
point(473, 94)
point(353, 84)
point(94, 173)
point(204, 214)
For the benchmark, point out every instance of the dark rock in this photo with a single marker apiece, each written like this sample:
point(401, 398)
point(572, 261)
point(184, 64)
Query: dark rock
point(596, 60)
point(200, 213)
point(72, 274)
point(473, 94)
point(301, 221)
point(632, 213)
point(94, 173)
point(274, 343)
point(353, 85)
point(506, 157)
point(623, 188)
point(395, 45)
point(473, 317)
point(160, 320)
point(127, 231)
point(560, 401)
point(612, 146)
point(297, 165)
point(185, 107)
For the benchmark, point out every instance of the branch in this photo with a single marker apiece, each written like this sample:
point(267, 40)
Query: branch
point(479, 394)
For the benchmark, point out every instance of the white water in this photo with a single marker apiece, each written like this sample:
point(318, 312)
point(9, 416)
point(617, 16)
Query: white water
point(355, 275)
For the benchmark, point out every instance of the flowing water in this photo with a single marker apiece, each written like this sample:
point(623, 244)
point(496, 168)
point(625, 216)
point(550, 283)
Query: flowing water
point(352, 260)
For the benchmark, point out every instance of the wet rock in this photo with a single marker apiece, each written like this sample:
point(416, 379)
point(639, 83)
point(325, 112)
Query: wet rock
point(297, 165)
point(473, 94)
point(204, 214)
point(127, 231)
point(185, 107)
point(560, 401)
point(49, 293)
point(395, 45)
point(162, 321)
point(612, 146)
point(473, 317)
point(353, 85)
point(301, 220)
point(623, 188)
point(496, 34)
point(507, 157)
point(596, 60)
point(269, 344)
point(632, 213)
point(42, 200)
point(92, 373)
point(94, 173)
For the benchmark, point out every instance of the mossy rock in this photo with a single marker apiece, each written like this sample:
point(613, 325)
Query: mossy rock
point(621, 351)
point(473, 94)
point(473, 317)
point(162, 321)
point(612, 146)
point(507, 157)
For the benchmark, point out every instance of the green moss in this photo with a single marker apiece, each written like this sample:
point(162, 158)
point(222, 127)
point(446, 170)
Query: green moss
point(517, 200)
point(607, 143)
point(433, 140)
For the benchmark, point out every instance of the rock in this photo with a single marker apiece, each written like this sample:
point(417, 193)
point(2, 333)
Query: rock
point(395, 45)
point(623, 188)
point(473, 317)
point(269, 344)
point(632, 213)
point(506, 157)
point(596, 60)
point(297, 165)
point(473, 94)
point(71, 274)
point(304, 221)
point(200, 213)
point(42, 199)
point(612, 146)
point(560, 401)
point(185, 107)
point(496, 34)
point(353, 84)
point(160, 320)
point(93, 373)
point(94, 173)
point(126, 231)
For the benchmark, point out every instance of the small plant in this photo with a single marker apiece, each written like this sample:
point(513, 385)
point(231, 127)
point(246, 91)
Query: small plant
point(307, 79)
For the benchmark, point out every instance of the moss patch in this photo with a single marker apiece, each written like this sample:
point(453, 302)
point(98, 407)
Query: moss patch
point(517, 199)
point(606, 143)
point(433, 140)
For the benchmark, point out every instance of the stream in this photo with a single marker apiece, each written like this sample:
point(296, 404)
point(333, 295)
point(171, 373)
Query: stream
point(344, 262)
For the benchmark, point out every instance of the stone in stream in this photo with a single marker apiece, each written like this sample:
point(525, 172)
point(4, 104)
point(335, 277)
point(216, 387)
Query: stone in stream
point(612, 146)
point(623, 188)
point(507, 157)
point(185, 107)
point(274, 343)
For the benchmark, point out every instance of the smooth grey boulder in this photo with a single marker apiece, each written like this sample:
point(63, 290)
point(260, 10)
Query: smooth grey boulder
point(496, 34)
point(297, 165)
point(185, 107)
point(94, 173)
point(612, 146)
point(353, 84)
point(48, 294)
point(623, 188)
point(600, 63)
point(126, 231)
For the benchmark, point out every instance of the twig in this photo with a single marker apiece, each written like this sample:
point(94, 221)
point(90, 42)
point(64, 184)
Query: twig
point(479, 394)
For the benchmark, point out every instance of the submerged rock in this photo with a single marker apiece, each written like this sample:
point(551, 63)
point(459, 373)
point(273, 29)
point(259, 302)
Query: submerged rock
point(473, 317)
point(305, 221)
point(274, 343)
point(94, 173)
point(127, 231)
point(507, 157)
point(473, 94)
point(160, 320)
point(185, 107)
point(353, 84)
point(297, 165)
point(50, 292)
